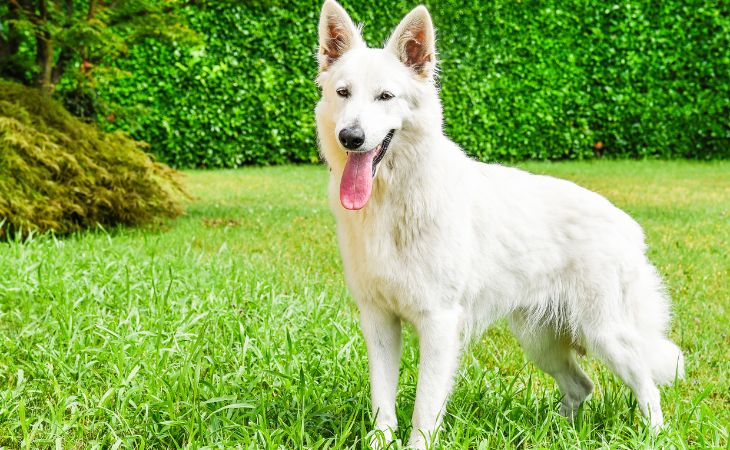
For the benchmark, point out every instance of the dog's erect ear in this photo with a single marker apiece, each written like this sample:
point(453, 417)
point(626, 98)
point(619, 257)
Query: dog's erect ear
point(414, 42)
point(337, 34)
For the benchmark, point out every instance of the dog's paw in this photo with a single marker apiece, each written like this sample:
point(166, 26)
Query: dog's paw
point(418, 441)
point(381, 439)
point(656, 423)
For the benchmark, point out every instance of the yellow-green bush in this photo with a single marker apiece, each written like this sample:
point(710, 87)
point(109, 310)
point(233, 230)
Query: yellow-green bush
point(58, 173)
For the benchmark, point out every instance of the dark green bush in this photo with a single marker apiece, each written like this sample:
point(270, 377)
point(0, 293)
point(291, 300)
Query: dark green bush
point(58, 173)
point(520, 79)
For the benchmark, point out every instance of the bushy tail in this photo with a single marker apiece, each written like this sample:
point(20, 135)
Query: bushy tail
point(665, 360)
point(651, 315)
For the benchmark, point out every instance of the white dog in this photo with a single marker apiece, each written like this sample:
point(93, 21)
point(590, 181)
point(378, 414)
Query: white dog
point(449, 244)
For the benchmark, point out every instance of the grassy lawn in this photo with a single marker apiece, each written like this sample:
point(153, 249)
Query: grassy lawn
point(231, 326)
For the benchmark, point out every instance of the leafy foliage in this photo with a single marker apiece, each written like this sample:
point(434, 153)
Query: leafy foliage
point(528, 79)
point(245, 97)
point(43, 40)
point(57, 173)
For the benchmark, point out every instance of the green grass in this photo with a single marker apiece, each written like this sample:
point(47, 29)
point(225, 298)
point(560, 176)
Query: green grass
point(231, 326)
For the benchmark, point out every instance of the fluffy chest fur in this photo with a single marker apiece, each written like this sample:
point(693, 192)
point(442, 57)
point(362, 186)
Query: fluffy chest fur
point(390, 247)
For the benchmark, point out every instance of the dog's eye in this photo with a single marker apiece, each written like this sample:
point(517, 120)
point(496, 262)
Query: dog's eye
point(343, 92)
point(385, 95)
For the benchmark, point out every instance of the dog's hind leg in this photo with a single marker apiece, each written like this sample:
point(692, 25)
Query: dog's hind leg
point(621, 348)
point(554, 354)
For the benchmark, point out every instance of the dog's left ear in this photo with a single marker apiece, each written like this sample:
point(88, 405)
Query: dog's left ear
point(414, 42)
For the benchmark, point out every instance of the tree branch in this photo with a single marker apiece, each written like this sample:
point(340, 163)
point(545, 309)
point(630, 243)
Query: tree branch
point(63, 59)
point(92, 10)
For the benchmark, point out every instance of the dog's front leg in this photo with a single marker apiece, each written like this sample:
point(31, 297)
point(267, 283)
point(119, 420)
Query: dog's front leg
point(440, 346)
point(382, 332)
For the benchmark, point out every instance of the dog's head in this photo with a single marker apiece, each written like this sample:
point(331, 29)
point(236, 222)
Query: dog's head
point(369, 95)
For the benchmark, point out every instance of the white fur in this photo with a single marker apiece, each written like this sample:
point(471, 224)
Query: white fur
point(450, 245)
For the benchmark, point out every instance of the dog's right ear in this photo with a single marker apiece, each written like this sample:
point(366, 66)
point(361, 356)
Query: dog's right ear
point(337, 34)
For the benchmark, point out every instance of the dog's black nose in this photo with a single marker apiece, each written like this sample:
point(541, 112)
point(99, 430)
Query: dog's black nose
point(352, 137)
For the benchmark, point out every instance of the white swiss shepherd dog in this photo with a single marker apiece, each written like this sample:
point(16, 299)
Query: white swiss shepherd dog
point(449, 244)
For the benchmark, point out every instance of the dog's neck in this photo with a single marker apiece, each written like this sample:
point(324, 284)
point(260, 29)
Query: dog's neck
point(413, 172)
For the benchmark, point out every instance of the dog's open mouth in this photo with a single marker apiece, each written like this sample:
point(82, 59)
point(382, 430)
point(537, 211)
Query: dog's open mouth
point(357, 178)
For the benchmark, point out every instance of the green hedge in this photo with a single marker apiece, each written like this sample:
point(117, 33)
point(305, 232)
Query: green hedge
point(520, 79)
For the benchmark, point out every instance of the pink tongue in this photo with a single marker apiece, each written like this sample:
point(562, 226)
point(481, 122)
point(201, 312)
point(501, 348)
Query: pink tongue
point(357, 179)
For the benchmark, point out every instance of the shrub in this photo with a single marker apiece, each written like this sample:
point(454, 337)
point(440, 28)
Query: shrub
point(57, 173)
point(526, 79)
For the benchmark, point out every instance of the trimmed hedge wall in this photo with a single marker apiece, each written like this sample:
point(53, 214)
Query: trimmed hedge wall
point(527, 79)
